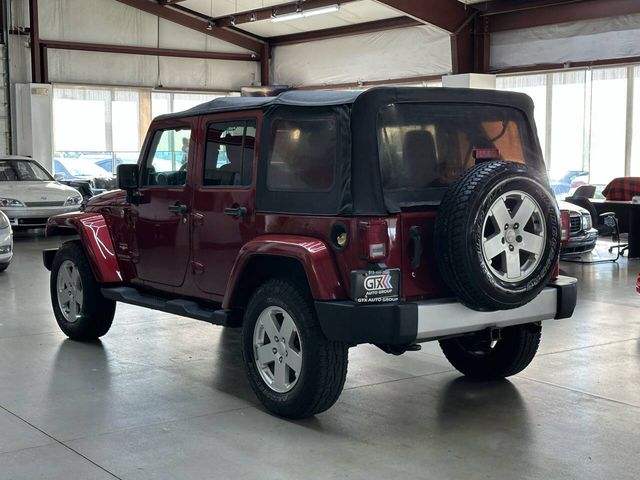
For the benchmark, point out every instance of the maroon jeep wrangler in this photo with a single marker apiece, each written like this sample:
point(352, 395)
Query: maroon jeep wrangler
point(317, 221)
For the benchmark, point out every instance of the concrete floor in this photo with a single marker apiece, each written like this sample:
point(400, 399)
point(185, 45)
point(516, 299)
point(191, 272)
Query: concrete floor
point(166, 397)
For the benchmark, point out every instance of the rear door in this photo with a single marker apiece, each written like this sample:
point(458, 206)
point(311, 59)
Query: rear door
point(223, 207)
point(161, 231)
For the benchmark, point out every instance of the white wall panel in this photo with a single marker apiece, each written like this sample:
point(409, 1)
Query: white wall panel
point(399, 53)
point(615, 37)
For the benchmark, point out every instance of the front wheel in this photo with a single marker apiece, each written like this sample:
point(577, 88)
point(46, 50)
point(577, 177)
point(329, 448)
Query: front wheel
point(478, 357)
point(292, 367)
point(80, 309)
point(4, 266)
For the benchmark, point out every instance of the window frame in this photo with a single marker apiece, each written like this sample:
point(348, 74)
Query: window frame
point(205, 143)
point(150, 146)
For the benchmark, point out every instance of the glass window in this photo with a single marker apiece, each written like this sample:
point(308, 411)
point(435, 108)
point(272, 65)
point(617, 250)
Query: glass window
point(432, 145)
point(229, 153)
point(536, 87)
point(635, 139)
point(168, 158)
point(567, 121)
point(608, 124)
point(303, 155)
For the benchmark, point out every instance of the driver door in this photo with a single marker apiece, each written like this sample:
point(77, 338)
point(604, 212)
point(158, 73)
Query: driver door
point(161, 230)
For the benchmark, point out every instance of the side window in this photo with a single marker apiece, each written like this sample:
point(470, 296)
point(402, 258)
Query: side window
point(166, 163)
point(303, 155)
point(229, 153)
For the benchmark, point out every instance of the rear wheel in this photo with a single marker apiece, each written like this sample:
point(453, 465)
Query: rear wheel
point(4, 266)
point(292, 367)
point(80, 309)
point(478, 357)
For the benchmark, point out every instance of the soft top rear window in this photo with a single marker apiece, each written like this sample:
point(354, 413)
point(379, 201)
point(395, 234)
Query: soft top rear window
point(424, 148)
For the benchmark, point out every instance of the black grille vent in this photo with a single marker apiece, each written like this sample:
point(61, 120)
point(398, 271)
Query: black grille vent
point(44, 204)
point(576, 224)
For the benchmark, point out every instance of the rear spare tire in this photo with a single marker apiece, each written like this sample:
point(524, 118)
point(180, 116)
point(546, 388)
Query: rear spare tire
point(497, 235)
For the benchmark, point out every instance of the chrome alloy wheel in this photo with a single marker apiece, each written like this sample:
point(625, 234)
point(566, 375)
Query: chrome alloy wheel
point(513, 236)
point(70, 291)
point(277, 348)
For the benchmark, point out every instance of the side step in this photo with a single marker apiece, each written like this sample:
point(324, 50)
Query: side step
point(184, 308)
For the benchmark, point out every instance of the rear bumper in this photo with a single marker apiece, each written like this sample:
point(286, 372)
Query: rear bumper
point(404, 323)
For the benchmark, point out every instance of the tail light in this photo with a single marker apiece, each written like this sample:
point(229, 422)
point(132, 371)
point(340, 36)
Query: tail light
point(638, 284)
point(374, 240)
point(565, 226)
point(555, 273)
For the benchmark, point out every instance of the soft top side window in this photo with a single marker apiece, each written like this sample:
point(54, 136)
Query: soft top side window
point(303, 154)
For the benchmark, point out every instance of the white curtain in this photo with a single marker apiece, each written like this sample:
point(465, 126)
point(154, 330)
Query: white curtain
point(399, 53)
point(96, 21)
point(613, 37)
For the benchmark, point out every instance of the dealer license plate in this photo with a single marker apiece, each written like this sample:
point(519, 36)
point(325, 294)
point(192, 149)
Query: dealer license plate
point(376, 286)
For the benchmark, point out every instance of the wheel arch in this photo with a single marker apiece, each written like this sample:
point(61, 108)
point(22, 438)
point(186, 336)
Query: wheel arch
point(305, 259)
point(95, 240)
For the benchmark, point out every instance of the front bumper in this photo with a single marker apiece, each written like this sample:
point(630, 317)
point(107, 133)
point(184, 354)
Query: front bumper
point(582, 243)
point(6, 245)
point(405, 323)
point(35, 217)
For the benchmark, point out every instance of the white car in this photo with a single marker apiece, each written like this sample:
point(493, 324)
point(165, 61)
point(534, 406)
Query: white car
point(29, 195)
point(6, 242)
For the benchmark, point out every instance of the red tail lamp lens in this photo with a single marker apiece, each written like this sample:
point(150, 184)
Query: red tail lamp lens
point(374, 240)
point(565, 226)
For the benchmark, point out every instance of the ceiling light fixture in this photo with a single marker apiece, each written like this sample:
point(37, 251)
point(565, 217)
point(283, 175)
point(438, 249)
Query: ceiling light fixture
point(300, 13)
point(210, 24)
point(253, 17)
point(233, 20)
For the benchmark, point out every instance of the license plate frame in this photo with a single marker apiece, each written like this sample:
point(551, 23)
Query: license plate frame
point(375, 286)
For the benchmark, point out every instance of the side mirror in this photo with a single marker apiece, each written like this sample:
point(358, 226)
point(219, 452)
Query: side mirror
point(128, 175)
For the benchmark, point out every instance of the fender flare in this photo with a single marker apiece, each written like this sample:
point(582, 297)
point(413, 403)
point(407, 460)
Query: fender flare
point(96, 242)
point(314, 256)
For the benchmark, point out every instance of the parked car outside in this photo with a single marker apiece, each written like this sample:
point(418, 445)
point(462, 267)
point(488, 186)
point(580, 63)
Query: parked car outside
point(358, 220)
point(110, 162)
point(29, 195)
point(6, 242)
point(568, 180)
point(84, 169)
point(582, 236)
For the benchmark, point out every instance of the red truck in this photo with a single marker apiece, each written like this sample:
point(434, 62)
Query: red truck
point(320, 220)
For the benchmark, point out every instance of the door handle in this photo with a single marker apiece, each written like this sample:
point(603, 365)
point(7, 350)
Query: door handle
point(235, 211)
point(179, 208)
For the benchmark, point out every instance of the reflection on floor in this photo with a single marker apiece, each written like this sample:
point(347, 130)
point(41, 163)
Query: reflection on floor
point(166, 397)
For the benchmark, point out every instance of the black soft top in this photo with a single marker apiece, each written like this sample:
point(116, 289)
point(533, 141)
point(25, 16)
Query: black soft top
point(357, 188)
point(374, 97)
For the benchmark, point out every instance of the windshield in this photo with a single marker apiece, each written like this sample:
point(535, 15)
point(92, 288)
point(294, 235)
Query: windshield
point(22, 171)
point(422, 146)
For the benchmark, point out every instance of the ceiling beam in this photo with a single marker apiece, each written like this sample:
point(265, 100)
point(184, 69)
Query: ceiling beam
point(265, 13)
point(195, 23)
point(449, 15)
point(562, 13)
point(156, 52)
point(355, 29)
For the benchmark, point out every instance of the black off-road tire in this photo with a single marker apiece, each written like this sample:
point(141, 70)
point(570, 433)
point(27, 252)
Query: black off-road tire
point(324, 363)
point(473, 356)
point(458, 235)
point(96, 315)
point(4, 266)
